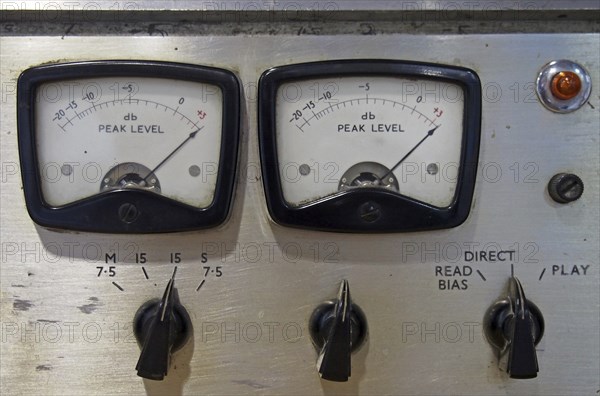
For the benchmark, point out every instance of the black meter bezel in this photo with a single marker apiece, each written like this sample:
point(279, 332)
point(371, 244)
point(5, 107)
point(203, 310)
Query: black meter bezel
point(153, 213)
point(369, 209)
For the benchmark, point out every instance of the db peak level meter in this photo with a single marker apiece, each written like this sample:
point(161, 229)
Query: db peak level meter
point(369, 145)
point(128, 146)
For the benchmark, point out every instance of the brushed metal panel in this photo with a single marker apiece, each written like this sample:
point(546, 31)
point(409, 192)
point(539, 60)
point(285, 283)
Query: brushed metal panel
point(53, 304)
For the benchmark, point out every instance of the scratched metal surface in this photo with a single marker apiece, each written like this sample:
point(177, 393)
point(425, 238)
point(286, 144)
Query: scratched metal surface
point(66, 331)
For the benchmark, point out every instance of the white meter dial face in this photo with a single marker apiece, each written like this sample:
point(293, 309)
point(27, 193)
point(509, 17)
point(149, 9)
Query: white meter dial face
point(369, 145)
point(343, 133)
point(128, 146)
point(115, 133)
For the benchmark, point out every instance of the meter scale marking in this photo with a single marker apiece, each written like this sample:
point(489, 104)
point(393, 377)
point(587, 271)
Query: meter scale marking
point(372, 147)
point(103, 154)
point(97, 107)
point(329, 109)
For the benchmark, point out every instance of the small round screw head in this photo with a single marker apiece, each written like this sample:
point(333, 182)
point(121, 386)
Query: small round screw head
point(565, 187)
point(369, 212)
point(128, 213)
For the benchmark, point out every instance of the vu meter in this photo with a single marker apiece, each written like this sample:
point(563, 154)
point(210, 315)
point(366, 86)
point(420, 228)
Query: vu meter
point(369, 145)
point(128, 146)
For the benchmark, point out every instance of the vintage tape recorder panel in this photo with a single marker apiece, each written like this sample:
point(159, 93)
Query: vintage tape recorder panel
point(300, 197)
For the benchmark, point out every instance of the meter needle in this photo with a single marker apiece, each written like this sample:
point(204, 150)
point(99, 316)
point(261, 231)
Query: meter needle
point(429, 133)
point(187, 139)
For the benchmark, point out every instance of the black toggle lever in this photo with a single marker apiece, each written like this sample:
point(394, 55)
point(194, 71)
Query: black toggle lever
point(337, 328)
point(161, 328)
point(516, 325)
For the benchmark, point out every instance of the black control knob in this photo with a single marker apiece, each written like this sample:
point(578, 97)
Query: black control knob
point(338, 328)
point(515, 325)
point(161, 328)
